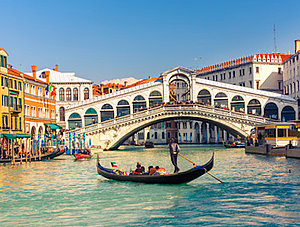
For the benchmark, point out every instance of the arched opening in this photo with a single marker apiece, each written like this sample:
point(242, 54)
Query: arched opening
point(61, 94)
point(204, 134)
point(155, 98)
point(75, 121)
point(139, 103)
point(33, 132)
point(75, 94)
point(288, 114)
point(107, 112)
point(90, 117)
point(68, 94)
point(197, 131)
point(271, 111)
point(221, 100)
point(41, 133)
point(204, 97)
point(62, 113)
point(123, 108)
point(254, 107)
point(179, 88)
point(237, 103)
point(86, 93)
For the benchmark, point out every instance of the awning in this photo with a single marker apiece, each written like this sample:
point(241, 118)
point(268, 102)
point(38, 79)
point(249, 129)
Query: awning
point(15, 136)
point(53, 126)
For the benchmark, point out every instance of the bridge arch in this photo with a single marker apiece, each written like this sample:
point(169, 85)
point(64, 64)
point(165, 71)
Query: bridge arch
point(122, 137)
point(155, 97)
point(180, 77)
point(237, 103)
point(221, 100)
point(288, 113)
point(123, 108)
point(271, 111)
point(254, 107)
point(75, 121)
point(204, 97)
point(139, 102)
point(90, 117)
point(106, 112)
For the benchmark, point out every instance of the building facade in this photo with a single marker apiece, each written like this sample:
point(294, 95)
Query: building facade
point(261, 71)
point(70, 89)
point(12, 98)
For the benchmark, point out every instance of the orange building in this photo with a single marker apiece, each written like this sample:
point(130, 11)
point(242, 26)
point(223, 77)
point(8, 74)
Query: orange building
point(40, 111)
point(104, 89)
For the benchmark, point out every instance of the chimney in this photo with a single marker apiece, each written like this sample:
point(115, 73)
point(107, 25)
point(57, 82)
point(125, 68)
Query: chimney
point(56, 68)
point(125, 83)
point(297, 45)
point(33, 68)
point(47, 76)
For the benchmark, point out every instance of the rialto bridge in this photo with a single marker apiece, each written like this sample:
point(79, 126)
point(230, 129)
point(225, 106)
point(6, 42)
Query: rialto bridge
point(110, 119)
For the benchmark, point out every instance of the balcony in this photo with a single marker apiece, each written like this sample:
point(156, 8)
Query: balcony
point(16, 108)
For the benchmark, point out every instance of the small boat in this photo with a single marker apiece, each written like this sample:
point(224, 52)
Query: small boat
point(234, 145)
point(46, 156)
point(149, 144)
point(82, 156)
point(174, 178)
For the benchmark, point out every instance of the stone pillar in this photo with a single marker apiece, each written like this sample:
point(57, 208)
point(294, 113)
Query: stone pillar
point(216, 134)
point(166, 97)
point(207, 133)
point(193, 91)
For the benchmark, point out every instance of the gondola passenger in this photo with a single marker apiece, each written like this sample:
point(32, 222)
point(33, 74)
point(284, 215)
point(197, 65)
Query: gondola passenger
point(139, 169)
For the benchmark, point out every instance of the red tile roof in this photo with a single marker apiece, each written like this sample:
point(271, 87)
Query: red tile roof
point(15, 72)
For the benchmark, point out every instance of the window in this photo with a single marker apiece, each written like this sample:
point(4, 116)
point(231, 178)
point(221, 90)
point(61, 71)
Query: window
point(233, 74)
point(243, 72)
point(250, 70)
point(75, 94)
point(68, 94)
point(15, 84)
point(279, 85)
point(229, 75)
point(86, 93)
point(169, 135)
point(168, 125)
point(279, 70)
point(163, 135)
point(257, 69)
point(20, 86)
point(250, 83)
point(257, 84)
point(184, 125)
point(61, 94)
point(62, 113)
point(155, 135)
point(216, 77)
point(20, 123)
point(191, 125)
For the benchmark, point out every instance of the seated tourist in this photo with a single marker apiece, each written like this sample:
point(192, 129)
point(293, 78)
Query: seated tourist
point(159, 171)
point(139, 169)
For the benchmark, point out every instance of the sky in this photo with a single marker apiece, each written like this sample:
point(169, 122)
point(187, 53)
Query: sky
point(102, 40)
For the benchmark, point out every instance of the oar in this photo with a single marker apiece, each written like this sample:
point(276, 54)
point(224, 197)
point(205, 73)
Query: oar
point(204, 168)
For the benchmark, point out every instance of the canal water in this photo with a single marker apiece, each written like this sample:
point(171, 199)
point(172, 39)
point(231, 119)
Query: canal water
point(257, 190)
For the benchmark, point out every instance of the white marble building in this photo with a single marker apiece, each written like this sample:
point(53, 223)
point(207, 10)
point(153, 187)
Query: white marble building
point(70, 89)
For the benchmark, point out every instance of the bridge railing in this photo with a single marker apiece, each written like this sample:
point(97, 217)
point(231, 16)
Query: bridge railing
point(166, 108)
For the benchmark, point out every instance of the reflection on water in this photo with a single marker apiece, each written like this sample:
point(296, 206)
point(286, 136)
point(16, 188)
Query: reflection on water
point(257, 190)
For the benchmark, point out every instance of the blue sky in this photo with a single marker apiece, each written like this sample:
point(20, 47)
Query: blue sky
point(102, 40)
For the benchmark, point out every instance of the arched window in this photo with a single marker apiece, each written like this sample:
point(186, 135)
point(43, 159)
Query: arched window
point(86, 93)
point(61, 94)
point(221, 100)
point(155, 98)
point(288, 114)
point(204, 97)
point(237, 103)
point(90, 117)
point(75, 94)
point(271, 111)
point(139, 103)
point(68, 94)
point(75, 121)
point(123, 108)
point(254, 107)
point(62, 113)
point(107, 112)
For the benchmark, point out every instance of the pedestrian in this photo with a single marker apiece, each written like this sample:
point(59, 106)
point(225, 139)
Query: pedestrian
point(174, 150)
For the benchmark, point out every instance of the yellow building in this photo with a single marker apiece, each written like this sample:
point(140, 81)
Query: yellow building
point(12, 99)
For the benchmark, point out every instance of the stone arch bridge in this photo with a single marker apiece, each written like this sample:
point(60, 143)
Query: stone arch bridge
point(109, 119)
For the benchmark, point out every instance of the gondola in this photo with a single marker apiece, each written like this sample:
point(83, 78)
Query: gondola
point(175, 178)
point(234, 145)
point(149, 144)
point(43, 157)
point(82, 156)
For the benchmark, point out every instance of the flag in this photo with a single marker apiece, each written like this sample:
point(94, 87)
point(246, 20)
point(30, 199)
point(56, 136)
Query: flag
point(47, 89)
point(113, 164)
point(50, 88)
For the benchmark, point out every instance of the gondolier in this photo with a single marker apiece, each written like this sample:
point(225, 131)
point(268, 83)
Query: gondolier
point(174, 150)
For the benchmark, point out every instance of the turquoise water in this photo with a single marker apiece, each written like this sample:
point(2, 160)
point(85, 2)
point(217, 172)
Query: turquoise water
point(257, 190)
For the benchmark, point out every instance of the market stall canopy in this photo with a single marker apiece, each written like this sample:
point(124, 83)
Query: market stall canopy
point(54, 126)
point(15, 136)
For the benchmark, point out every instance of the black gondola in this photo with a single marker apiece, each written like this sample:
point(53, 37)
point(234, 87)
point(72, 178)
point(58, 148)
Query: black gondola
point(176, 178)
point(44, 157)
point(149, 144)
